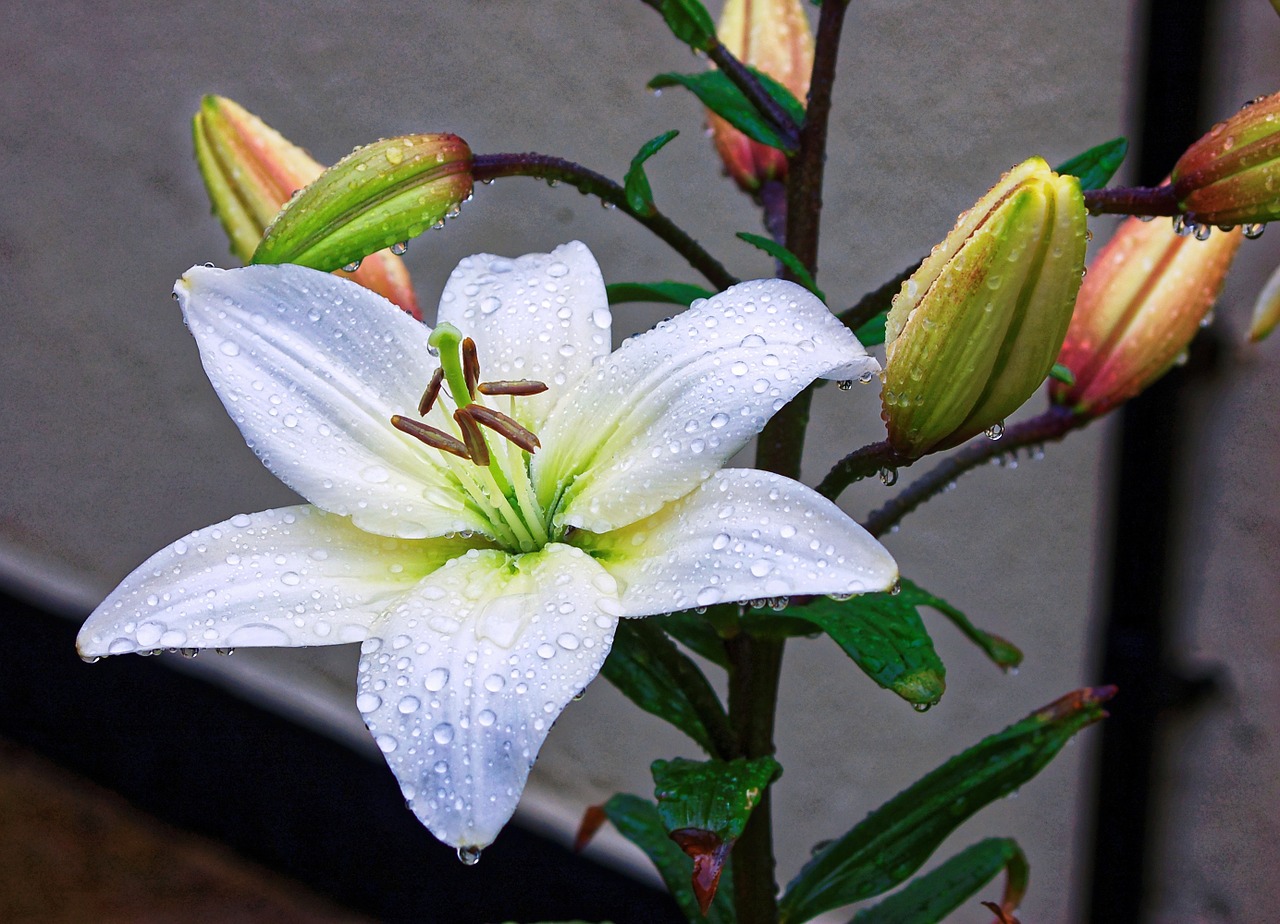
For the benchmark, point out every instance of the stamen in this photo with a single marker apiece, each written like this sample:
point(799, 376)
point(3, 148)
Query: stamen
point(433, 391)
point(504, 426)
point(470, 365)
point(436, 439)
point(521, 388)
point(477, 449)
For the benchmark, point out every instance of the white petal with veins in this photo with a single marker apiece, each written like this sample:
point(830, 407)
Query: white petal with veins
point(311, 367)
point(462, 683)
point(743, 535)
point(288, 577)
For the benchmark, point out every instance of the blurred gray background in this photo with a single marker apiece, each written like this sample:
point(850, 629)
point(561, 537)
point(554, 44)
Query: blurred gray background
point(114, 444)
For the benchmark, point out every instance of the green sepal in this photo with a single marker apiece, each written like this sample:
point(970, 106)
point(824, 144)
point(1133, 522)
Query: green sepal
point(688, 21)
point(639, 822)
point(897, 838)
point(650, 671)
point(1096, 166)
point(377, 196)
point(719, 94)
point(885, 636)
point(871, 333)
point(786, 258)
point(1001, 651)
point(663, 293)
point(711, 795)
point(1061, 373)
point(929, 898)
point(636, 184)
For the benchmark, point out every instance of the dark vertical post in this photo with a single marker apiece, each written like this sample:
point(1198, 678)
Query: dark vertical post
point(1134, 635)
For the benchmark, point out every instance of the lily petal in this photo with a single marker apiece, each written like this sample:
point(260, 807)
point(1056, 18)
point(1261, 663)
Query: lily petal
point(311, 367)
point(670, 406)
point(744, 534)
point(287, 577)
point(543, 316)
point(462, 683)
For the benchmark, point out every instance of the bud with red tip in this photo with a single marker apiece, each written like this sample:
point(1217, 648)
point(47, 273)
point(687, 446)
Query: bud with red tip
point(1146, 295)
point(774, 37)
point(1231, 176)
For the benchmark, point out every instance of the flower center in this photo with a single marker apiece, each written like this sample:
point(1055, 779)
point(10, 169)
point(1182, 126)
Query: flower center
point(494, 477)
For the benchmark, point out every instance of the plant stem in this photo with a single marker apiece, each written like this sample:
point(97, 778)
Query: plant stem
point(877, 300)
point(485, 167)
point(1135, 200)
point(862, 463)
point(1052, 425)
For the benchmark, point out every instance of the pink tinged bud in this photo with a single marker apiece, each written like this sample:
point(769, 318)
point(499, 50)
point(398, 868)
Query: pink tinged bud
point(1145, 296)
point(973, 333)
point(774, 37)
point(1231, 176)
point(1266, 313)
point(250, 171)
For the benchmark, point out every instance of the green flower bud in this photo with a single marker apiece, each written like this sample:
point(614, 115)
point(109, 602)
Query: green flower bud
point(973, 333)
point(1231, 176)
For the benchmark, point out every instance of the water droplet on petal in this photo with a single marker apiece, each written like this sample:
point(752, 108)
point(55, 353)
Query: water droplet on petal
point(469, 856)
point(436, 679)
point(442, 733)
point(368, 702)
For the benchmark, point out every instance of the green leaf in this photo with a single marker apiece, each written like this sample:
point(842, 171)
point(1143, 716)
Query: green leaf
point(1096, 166)
point(1062, 374)
point(639, 822)
point(377, 196)
point(696, 631)
point(712, 795)
point(929, 898)
point(636, 184)
point(786, 258)
point(871, 332)
point(1004, 653)
point(719, 94)
point(664, 293)
point(885, 636)
point(896, 839)
point(651, 672)
point(688, 21)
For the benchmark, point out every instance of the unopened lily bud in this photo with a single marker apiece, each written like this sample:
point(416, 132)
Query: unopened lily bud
point(1231, 176)
point(774, 37)
point(975, 331)
point(1147, 293)
point(251, 171)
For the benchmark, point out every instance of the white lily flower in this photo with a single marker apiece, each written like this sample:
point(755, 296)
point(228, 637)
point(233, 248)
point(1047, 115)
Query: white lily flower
point(486, 595)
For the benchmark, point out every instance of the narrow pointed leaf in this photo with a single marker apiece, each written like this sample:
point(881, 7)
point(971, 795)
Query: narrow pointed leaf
point(377, 196)
point(786, 258)
point(688, 21)
point(719, 94)
point(639, 822)
point(1060, 373)
point(705, 806)
point(1096, 166)
point(651, 672)
point(636, 184)
point(885, 636)
point(1004, 653)
point(871, 333)
point(697, 632)
point(929, 898)
point(896, 839)
point(663, 293)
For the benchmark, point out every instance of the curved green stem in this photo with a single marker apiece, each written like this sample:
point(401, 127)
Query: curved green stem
point(485, 167)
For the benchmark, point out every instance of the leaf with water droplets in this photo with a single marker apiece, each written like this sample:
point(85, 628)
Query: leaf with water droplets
point(787, 259)
point(651, 672)
point(705, 806)
point(1004, 653)
point(894, 840)
point(636, 183)
point(662, 293)
point(638, 821)
point(929, 898)
point(379, 195)
point(719, 94)
point(1095, 167)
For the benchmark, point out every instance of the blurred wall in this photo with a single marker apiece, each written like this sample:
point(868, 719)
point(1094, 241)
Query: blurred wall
point(114, 444)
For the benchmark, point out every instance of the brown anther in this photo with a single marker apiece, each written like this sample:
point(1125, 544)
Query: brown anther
point(477, 449)
point(470, 365)
point(429, 396)
point(521, 388)
point(436, 439)
point(504, 426)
